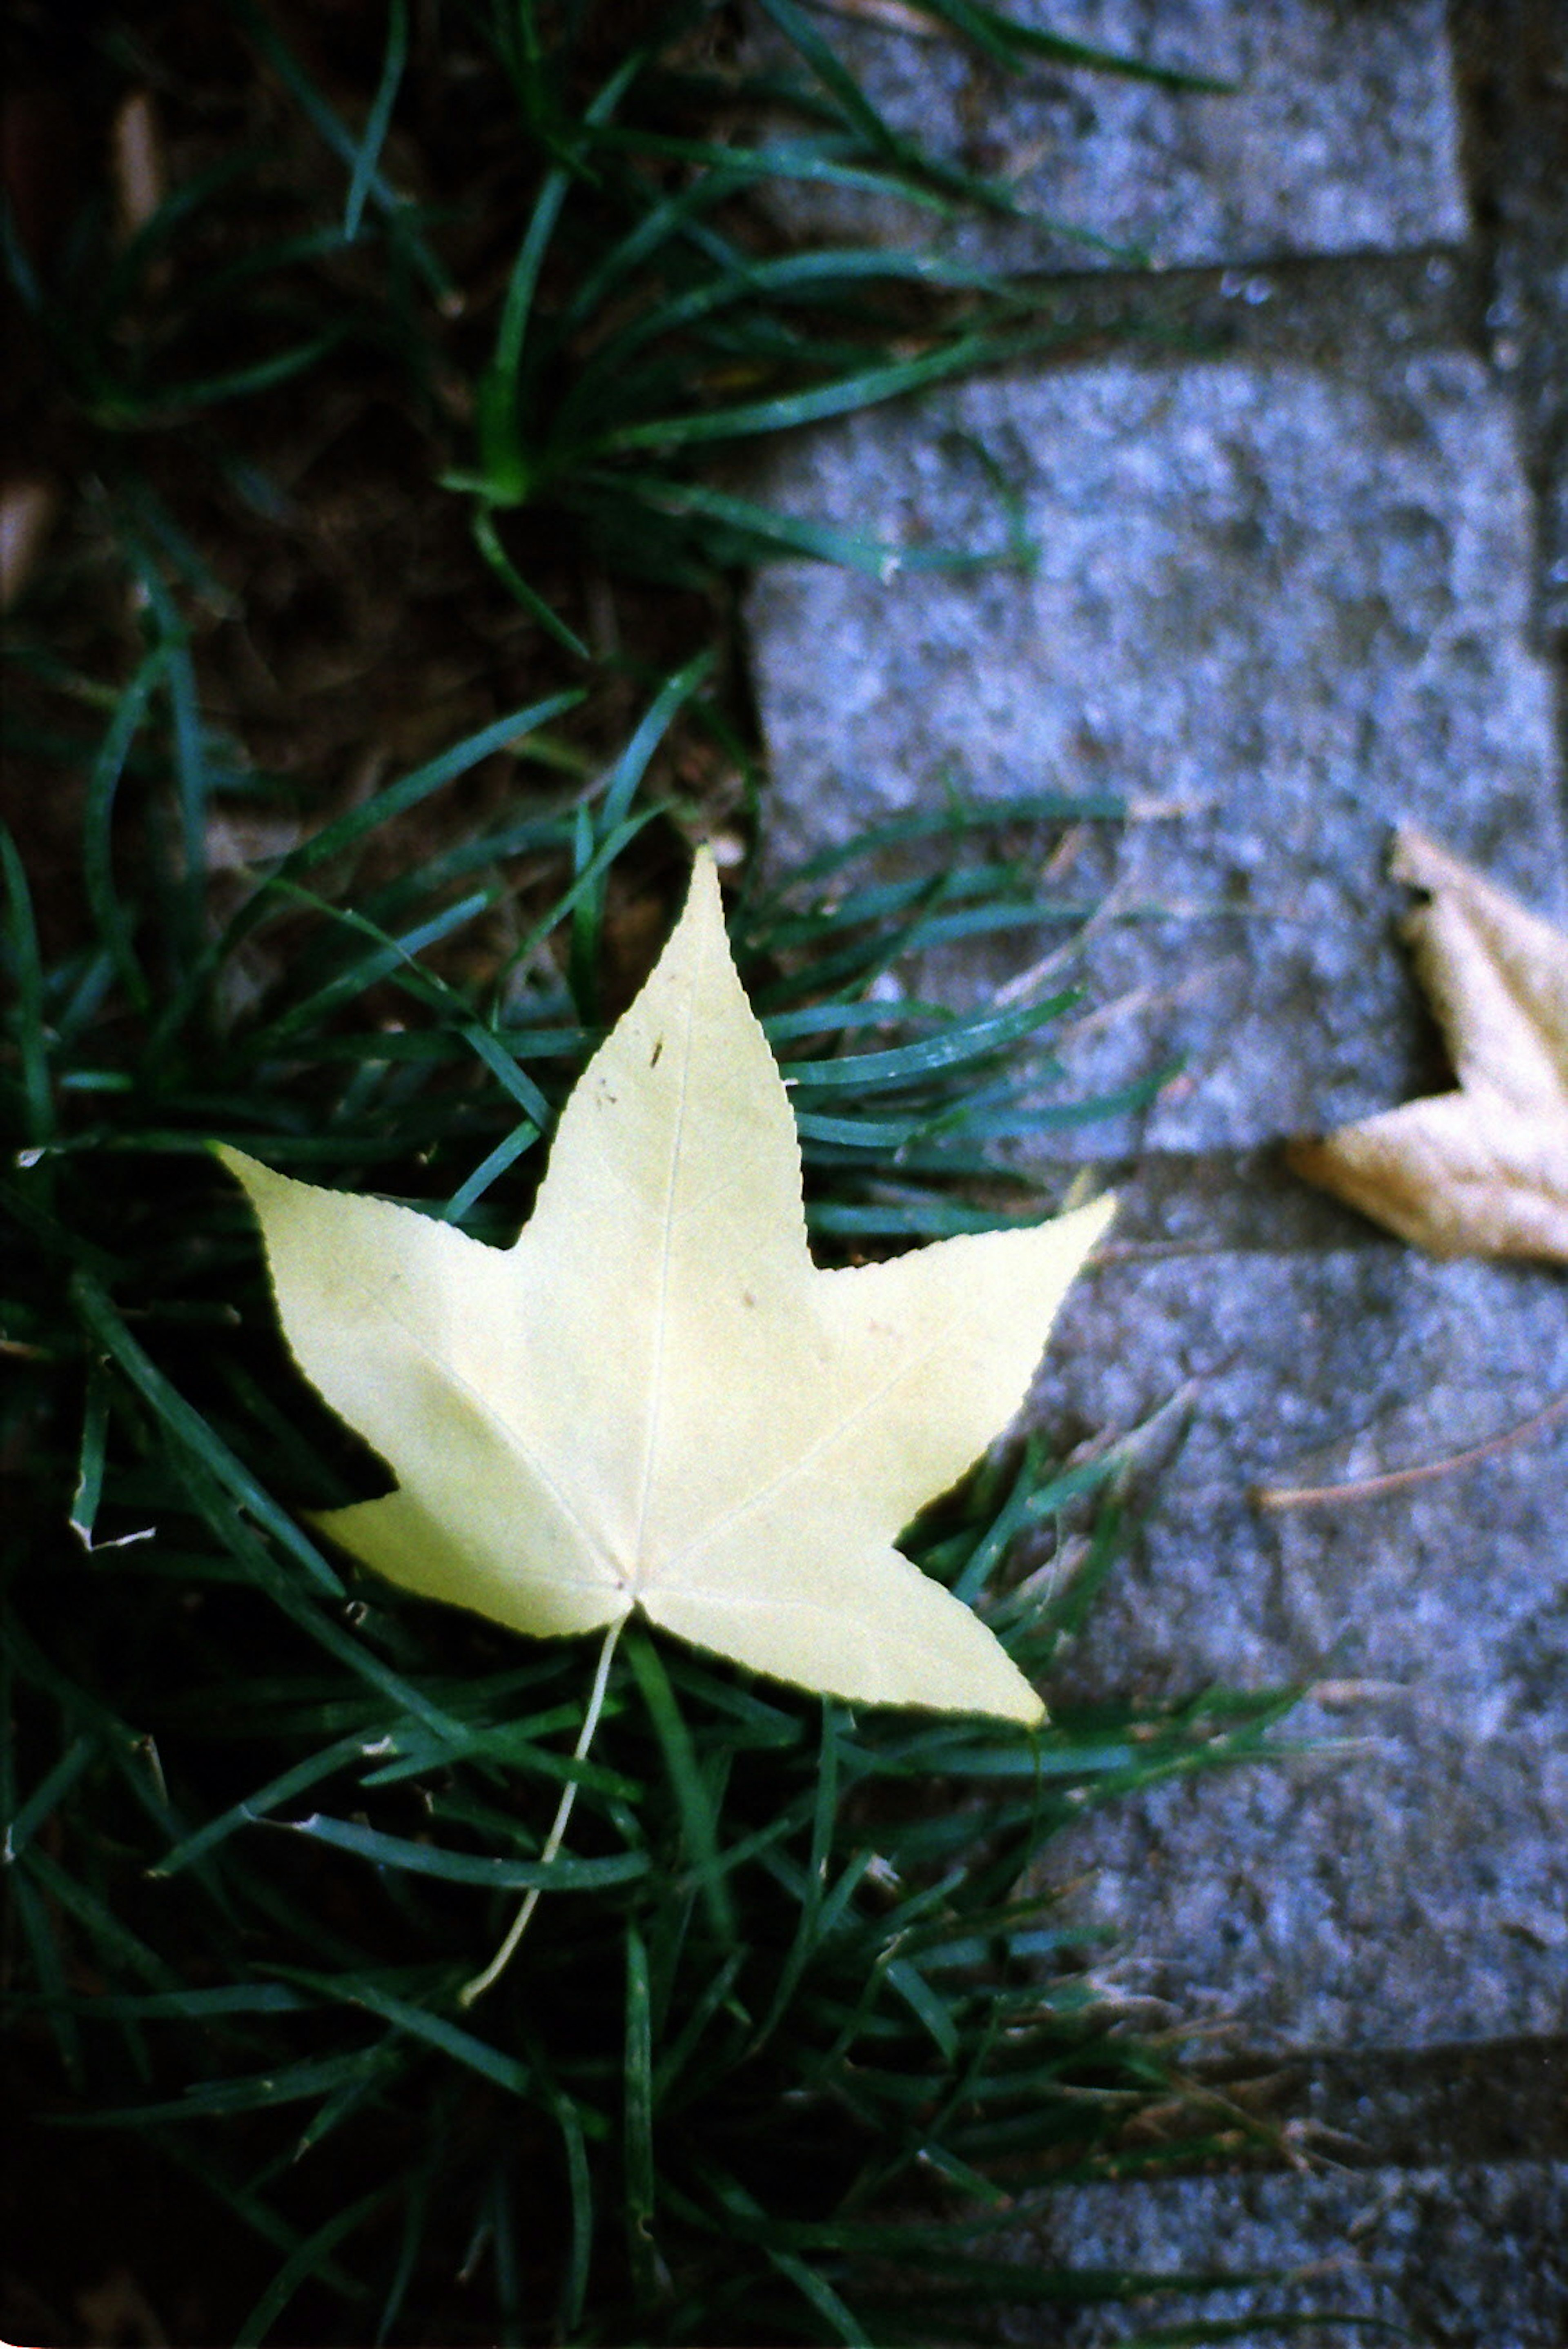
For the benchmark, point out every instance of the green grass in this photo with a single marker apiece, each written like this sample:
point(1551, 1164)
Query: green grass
point(593, 294)
point(802, 2025)
point(801, 2016)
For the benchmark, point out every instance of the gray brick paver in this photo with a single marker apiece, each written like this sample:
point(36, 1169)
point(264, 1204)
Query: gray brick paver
point(1341, 133)
point(1450, 2254)
point(1295, 606)
point(1299, 592)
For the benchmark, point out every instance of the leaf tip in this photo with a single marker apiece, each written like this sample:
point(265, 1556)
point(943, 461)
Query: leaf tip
point(1086, 1225)
point(705, 887)
point(1100, 1215)
point(1032, 1715)
point(233, 1162)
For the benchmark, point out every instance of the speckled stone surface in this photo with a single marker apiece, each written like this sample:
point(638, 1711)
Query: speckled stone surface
point(1339, 134)
point(1309, 1372)
point(1294, 576)
point(1513, 64)
point(1290, 609)
point(1450, 2256)
point(1413, 1889)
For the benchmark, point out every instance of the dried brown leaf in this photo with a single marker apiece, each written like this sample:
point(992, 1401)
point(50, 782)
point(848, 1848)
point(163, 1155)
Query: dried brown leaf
point(1481, 1171)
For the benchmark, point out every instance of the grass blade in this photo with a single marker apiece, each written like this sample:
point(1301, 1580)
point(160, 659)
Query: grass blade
point(693, 1797)
point(28, 978)
point(369, 154)
point(563, 1874)
point(641, 2247)
point(304, 2262)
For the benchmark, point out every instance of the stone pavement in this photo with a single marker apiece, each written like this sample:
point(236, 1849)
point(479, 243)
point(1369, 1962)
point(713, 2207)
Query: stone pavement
point(1301, 568)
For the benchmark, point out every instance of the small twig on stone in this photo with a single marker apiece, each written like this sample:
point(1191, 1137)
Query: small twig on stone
point(1365, 1488)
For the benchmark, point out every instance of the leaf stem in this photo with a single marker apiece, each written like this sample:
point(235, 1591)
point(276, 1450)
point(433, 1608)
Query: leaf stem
point(504, 1955)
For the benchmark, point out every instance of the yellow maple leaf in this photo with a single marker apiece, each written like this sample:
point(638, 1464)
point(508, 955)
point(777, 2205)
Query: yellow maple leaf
point(654, 1399)
point(1481, 1171)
